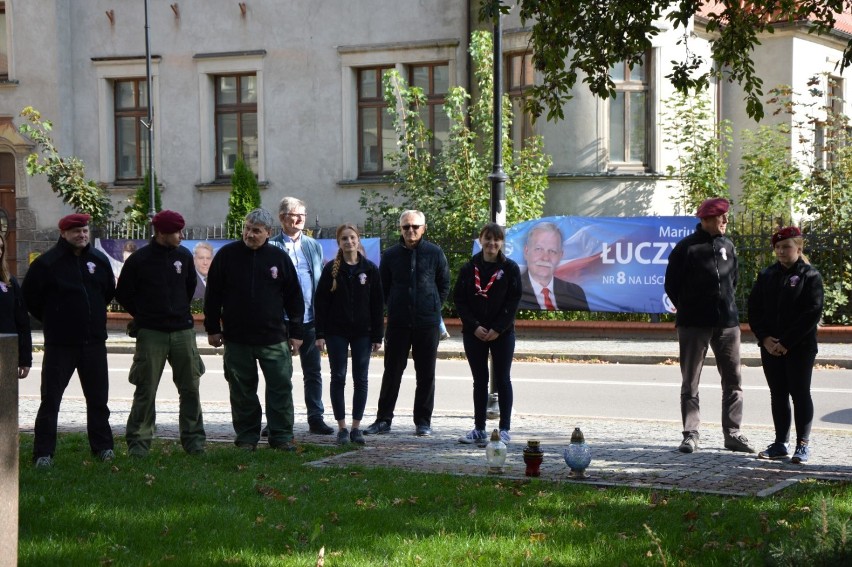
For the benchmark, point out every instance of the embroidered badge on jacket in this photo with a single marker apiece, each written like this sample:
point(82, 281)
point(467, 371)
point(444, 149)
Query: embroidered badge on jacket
point(724, 253)
point(362, 278)
point(178, 266)
point(91, 266)
point(794, 281)
point(273, 271)
point(3, 287)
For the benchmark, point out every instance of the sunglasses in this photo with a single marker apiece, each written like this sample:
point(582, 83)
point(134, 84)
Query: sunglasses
point(411, 227)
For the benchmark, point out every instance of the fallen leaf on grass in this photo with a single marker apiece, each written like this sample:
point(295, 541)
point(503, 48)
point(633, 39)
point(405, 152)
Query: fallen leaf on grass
point(321, 557)
point(472, 512)
point(692, 515)
point(292, 499)
point(241, 468)
point(149, 479)
point(537, 537)
point(268, 491)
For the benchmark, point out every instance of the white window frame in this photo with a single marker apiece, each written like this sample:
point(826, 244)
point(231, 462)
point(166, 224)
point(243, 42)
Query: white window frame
point(107, 72)
point(400, 56)
point(208, 67)
point(10, 52)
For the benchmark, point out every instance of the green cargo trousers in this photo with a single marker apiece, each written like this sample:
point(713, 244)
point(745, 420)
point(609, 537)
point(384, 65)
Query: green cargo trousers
point(153, 349)
point(241, 363)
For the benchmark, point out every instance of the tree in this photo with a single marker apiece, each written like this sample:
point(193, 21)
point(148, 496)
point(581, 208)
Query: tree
point(571, 39)
point(453, 190)
point(66, 175)
point(701, 148)
point(136, 213)
point(245, 197)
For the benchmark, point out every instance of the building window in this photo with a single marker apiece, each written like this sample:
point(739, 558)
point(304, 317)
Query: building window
point(4, 45)
point(236, 122)
point(131, 136)
point(519, 78)
point(434, 80)
point(376, 137)
point(629, 118)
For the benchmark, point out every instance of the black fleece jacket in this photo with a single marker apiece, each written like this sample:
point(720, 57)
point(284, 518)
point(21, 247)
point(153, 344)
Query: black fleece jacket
point(416, 282)
point(496, 310)
point(156, 287)
point(14, 319)
point(248, 292)
point(787, 304)
point(701, 279)
point(356, 307)
point(69, 294)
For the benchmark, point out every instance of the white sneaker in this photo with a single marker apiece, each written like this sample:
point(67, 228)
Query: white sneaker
point(505, 437)
point(474, 436)
point(44, 462)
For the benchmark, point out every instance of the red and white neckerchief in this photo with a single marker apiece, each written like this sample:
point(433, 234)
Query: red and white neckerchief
point(484, 292)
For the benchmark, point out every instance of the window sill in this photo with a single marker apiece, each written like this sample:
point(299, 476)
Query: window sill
point(127, 188)
point(616, 174)
point(384, 181)
point(8, 83)
point(223, 185)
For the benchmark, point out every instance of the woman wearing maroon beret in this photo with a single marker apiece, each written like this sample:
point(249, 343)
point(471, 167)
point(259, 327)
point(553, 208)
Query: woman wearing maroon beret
point(784, 309)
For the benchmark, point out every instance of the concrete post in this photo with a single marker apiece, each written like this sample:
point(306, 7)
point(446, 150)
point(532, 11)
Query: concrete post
point(9, 444)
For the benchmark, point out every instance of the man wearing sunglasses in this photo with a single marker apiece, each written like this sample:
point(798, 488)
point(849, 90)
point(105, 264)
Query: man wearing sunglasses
point(416, 281)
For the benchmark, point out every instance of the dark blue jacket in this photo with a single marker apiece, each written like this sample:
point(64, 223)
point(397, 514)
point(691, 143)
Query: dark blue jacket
point(416, 282)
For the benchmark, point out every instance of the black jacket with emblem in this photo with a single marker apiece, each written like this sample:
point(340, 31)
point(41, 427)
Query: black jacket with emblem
point(248, 292)
point(156, 286)
point(701, 279)
point(69, 294)
point(356, 307)
point(786, 303)
point(496, 308)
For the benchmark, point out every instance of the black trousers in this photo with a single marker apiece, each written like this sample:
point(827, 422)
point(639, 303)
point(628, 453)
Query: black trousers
point(423, 344)
point(59, 363)
point(789, 376)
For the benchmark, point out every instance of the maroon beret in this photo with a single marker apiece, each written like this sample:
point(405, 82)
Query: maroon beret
point(76, 220)
point(785, 233)
point(168, 222)
point(713, 207)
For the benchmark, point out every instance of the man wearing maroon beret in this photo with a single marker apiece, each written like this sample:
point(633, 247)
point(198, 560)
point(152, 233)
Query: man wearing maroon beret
point(156, 287)
point(68, 289)
point(701, 279)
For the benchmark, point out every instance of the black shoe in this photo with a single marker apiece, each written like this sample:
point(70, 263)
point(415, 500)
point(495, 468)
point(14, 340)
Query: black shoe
point(286, 446)
point(247, 447)
point(423, 431)
point(378, 428)
point(738, 442)
point(265, 431)
point(357, 437)
point(319, 428)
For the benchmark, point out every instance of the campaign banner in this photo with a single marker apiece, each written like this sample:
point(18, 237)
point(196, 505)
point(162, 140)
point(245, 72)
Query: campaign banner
point(118, 249)
point(618, 263)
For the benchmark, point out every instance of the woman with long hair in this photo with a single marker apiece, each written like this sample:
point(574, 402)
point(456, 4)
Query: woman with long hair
point(784, 309)
point(349, 312)
point(13, 314)
point(487, 294)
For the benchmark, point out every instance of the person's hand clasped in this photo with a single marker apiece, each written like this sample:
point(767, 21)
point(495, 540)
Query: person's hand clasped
point(320, 343)
point(774, 347)
point(376, 347)
point(215, 340)
point(295, 345)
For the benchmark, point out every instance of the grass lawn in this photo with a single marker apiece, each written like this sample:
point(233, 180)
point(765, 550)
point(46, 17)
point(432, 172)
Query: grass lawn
point(229, 507)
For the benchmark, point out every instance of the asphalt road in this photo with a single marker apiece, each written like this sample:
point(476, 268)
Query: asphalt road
point(558, 389)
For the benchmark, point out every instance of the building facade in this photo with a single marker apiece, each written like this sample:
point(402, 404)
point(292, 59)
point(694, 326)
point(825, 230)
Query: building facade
point(295, 88)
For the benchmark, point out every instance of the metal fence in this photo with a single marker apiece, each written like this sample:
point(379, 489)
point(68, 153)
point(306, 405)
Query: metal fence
point(828, 248)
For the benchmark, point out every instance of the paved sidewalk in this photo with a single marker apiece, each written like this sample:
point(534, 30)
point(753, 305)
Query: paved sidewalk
point(624, 452)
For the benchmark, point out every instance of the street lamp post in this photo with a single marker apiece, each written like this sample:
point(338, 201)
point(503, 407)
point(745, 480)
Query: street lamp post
point(149, 124)
point(498, 176)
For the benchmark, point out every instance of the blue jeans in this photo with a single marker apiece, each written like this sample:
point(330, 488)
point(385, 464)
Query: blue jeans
point(501, 349)
point(338, 352)
point(309, 358)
